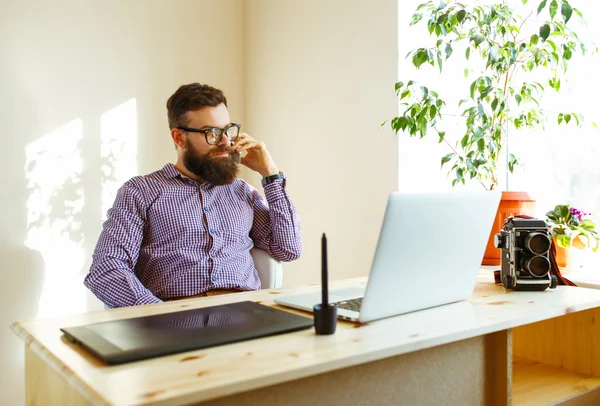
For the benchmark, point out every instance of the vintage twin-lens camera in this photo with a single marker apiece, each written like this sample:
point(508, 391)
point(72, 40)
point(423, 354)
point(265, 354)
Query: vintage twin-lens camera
point(525, 248)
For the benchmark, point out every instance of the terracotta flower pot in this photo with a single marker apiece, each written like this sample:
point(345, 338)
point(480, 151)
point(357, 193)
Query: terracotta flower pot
point(570, 258)
point(511, 204)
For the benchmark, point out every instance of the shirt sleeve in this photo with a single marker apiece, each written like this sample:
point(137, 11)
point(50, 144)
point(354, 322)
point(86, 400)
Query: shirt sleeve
point(111, 277)
point(276, 226)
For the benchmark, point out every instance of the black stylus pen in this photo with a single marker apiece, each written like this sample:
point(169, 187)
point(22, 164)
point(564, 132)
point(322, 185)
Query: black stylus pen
point(324, 278)
point(325, 316)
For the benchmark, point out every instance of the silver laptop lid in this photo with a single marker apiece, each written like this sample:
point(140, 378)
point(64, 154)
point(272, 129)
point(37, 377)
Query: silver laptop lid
point(429, 251)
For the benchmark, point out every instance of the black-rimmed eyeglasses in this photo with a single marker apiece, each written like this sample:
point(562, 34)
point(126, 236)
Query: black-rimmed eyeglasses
point(214, 135)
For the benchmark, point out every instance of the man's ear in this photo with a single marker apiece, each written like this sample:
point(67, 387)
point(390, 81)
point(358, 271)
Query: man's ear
point(178, 137)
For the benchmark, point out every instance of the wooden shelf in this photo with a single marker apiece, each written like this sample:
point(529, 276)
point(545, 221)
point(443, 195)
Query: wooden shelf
point(535, 383)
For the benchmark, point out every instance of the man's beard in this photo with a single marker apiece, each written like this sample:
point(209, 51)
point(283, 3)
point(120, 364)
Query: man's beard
point(217, 171)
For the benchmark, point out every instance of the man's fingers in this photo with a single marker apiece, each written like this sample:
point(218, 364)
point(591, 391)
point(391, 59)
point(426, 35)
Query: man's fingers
point(246, 144)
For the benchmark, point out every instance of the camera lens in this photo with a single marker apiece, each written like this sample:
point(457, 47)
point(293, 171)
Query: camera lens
point(538, 243)
point(537, 266)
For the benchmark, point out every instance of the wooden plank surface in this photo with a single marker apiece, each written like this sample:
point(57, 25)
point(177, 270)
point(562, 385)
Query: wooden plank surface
point(571, 342)
point(226, 370)
point(537, 384)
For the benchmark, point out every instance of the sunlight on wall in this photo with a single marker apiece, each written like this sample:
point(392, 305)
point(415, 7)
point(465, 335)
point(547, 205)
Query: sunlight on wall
point(118, 134)
point(53, 167)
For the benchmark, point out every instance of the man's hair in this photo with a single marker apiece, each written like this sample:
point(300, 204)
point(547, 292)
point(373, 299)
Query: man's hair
point(190, 98)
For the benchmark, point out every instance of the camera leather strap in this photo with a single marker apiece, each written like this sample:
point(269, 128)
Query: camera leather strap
point(554, 269)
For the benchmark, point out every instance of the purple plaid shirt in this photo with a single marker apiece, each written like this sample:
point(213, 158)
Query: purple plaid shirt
point(167, 237)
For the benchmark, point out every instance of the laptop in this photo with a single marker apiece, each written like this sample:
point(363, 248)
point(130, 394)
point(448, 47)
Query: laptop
point(428, 254)
point(139, 338)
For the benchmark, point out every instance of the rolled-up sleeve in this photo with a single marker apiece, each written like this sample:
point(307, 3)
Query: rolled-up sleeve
point(276, 225)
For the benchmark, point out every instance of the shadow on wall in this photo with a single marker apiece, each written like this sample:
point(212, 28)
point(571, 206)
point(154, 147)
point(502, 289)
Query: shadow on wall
point(22, 281)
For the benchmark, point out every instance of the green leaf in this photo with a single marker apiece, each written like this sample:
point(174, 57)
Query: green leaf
point(486, 91)
point(567, 118)
point(541, 6)
point(416, 18)
point(441, 134)
point(466, 72)
point(578, 12)
point(447, 158)
point(534, 39)
point(464, 141)
point(473, 86)
point(553, 8)
point(518, 98)
point(561, 210)
point(425, 92)
point(432, 111)
point(563, 241)
point(478, 39)
point(442, 5)
point(494, 54)
point(494, 104)
point(566, 10)
point(448, 50)
point(468, 53)
point(512, 161)
point(419, 57)
point(460, 15)
point(560, 118)
point(544, 31)
point(567, 53)
point(587, 224)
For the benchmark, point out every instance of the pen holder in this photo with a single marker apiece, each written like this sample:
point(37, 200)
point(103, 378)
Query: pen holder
point(325, 318)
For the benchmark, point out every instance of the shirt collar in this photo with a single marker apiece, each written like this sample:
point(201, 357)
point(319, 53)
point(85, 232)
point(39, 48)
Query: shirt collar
point(171, 172)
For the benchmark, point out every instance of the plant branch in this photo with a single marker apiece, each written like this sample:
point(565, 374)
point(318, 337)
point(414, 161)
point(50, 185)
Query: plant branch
point(457, 154)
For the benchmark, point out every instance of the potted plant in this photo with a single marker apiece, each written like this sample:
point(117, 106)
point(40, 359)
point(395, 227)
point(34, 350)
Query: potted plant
point(516, 67)
point(571, 229)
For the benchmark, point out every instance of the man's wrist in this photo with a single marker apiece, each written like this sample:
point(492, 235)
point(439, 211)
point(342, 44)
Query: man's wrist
point(269, 172)
point(272, 178)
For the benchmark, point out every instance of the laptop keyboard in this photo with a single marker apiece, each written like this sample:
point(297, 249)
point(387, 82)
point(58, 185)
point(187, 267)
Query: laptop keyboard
point(351, 304)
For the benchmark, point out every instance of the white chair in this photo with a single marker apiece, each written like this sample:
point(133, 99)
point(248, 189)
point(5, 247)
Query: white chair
point(270, 271)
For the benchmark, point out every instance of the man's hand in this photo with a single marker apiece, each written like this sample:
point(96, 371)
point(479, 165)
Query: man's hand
point(257, 158)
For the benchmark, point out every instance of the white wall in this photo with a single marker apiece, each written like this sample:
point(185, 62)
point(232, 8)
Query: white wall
point(68, 63)
point(320, 80)
point(314, 79)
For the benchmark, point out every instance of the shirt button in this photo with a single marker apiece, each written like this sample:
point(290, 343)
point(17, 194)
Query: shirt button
point(212, 254)
point(205, 208)
point(214, 278)
point(212, 230)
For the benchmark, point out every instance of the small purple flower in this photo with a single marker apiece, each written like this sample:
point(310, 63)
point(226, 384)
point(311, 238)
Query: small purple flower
point(578, 213)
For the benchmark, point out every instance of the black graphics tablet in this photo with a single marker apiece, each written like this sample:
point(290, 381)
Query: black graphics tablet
point(121, 341)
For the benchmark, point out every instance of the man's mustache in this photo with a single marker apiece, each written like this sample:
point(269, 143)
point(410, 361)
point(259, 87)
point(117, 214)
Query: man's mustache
point(220, 149)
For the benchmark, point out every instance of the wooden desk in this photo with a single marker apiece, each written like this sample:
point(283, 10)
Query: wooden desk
point(497, 348)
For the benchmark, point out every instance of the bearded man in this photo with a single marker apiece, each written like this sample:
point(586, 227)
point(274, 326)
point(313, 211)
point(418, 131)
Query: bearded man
point(187, 229)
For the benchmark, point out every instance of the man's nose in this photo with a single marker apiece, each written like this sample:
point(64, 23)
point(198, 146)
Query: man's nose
point(225, 141)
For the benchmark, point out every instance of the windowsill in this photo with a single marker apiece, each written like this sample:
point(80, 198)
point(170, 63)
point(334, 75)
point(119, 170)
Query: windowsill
point(585, 277)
